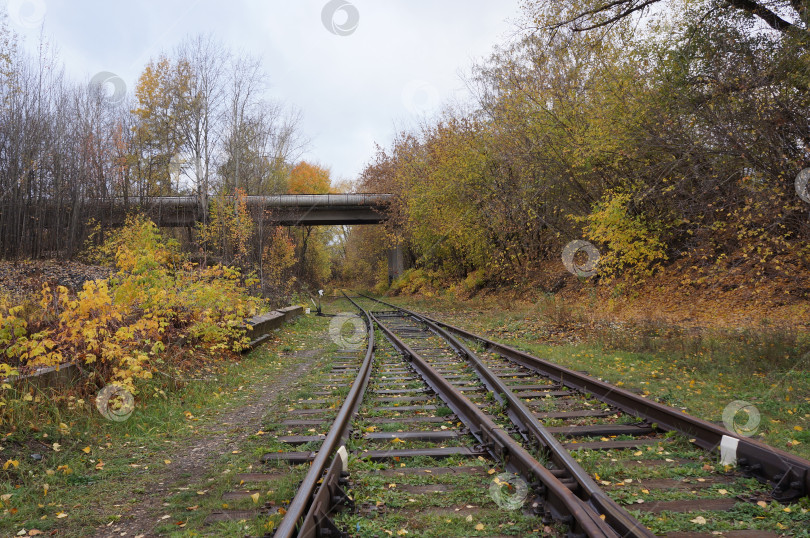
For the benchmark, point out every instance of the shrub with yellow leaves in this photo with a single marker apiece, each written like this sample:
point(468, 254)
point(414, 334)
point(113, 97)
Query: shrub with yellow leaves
point(633, 243)
point(121, 327)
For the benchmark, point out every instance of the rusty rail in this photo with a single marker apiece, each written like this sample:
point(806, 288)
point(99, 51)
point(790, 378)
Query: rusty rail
point(563, 504)
point(520, 415)
point(308, 510)
point(788, 474)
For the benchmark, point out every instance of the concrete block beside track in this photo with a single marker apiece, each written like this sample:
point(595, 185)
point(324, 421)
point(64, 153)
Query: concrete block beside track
point(259, 327)
point(291, 312)
point(53, 376)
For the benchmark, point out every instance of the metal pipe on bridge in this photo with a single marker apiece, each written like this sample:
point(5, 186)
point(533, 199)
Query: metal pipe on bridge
point(275, 200)
point(282, 209)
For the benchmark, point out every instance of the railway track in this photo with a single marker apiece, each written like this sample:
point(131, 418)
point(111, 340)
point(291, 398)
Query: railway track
point(442, 432)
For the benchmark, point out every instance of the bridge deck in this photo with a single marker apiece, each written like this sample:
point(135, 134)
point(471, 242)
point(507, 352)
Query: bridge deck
point(284, 209)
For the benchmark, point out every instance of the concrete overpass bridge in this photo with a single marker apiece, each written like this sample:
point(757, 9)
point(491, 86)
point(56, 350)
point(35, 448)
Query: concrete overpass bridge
point(186, 211)
point(281, 209)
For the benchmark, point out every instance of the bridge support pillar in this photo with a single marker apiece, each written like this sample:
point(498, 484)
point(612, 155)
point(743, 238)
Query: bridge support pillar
point(396, 263)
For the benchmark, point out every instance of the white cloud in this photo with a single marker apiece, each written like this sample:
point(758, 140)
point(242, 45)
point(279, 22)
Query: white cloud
point(351, 89)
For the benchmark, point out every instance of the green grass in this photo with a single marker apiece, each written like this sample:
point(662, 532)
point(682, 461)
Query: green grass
point(273, 495)
point(701, 371)
point(96, 469)
point(698, 371)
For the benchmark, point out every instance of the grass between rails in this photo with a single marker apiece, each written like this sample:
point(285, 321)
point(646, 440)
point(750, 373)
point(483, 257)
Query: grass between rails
point(423, 496)
point(697, 476)
point(72, 471)
point(453, 504)
point(701, 372)
point(657, 361)
point(126, 459)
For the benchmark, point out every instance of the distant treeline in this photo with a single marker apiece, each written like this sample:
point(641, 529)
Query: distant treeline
point(197, 123)
point(672, 132)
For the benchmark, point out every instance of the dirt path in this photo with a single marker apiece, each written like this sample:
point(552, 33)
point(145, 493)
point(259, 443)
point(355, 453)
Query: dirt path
point(191, 459)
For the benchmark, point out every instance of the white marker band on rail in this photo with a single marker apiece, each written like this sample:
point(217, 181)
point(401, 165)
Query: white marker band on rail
point(344, 458)
point(728, 450)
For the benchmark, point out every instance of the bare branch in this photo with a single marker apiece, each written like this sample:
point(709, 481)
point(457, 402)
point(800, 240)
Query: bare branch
point(615, 18)
point(771, 18)
point(616, 10)
point(594, 11)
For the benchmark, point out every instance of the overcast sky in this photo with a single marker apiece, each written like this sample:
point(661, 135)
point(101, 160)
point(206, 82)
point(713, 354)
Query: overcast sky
point(356, 75)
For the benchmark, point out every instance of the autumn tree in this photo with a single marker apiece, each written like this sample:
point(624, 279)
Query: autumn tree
point(260, 138)
point(199, 88)
point(665, 143)
point(306, 178)
point(313, 256)
point(158, 138)
point(228, 231)
point(278, 259)
point(56, 136)
point(205, 111)
point(66, 146)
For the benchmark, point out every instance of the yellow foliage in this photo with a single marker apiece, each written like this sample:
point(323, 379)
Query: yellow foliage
point(278, 259)
point(229, 228)
point(123, 325)
point(306, 178)
point(633, 245)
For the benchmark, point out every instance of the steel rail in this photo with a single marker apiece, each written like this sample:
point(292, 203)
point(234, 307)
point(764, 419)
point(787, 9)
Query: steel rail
point(787, 473)
point(563, 504)
point(306, 507)
point(520, 415)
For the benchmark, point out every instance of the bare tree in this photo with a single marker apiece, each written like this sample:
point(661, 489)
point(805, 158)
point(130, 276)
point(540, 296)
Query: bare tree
point(201, 98)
